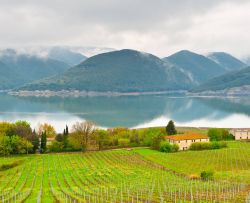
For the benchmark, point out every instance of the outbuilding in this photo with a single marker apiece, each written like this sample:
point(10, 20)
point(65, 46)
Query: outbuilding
point(240, 133)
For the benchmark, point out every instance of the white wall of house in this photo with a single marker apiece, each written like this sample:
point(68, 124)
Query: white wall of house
point(185, 144)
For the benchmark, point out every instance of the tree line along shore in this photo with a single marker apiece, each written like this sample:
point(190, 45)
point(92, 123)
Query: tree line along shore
point(20, 138)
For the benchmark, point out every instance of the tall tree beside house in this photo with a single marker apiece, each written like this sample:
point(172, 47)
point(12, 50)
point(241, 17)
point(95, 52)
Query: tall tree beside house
point(170, 128)
point(43, 142)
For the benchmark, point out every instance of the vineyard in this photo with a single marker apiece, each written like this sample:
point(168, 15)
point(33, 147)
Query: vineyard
point(139, 175)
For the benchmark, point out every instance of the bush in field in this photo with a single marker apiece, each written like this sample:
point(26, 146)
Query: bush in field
point(56, 146)
point(123, 142)
point(197, 146)
point(167, 147)
point(207, 175)
point(218, 145)
point(175, 148)
point(217, 134)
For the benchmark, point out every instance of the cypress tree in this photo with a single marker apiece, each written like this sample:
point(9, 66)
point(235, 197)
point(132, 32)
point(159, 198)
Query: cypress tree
point(170, 128)
point(67, 130)
point(43, 142)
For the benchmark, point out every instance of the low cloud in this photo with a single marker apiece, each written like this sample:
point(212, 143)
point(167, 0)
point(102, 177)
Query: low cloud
point(160, 27)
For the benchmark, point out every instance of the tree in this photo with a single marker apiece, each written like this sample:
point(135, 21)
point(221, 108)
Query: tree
point(218, 134)
point(102, 138)
point(14, 145)
point(156, 141)
point(59, 137)
point(43, 142)
point(66, 130)
point(49, 129)
point(35, 141)
point(6, 128)
point(23, 129)
point(65, 137)
point(84, 132)
point(170, 128)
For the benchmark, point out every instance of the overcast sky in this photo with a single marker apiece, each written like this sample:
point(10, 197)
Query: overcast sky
point(160, 27)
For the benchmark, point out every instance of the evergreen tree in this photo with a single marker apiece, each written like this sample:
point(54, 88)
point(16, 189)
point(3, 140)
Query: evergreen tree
point(170, 128)
point(67, 130)
point(65, 137)
point(35, 141)
point(43, 142)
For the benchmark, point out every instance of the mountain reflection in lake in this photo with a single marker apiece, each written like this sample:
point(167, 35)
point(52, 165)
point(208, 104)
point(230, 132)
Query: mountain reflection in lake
point(130, 111)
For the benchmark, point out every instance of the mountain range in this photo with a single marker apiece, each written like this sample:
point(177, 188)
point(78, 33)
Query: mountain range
point(62, 68)
point(118, 71)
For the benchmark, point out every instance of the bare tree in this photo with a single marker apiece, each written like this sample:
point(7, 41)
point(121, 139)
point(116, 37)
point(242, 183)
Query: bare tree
point(84, 132)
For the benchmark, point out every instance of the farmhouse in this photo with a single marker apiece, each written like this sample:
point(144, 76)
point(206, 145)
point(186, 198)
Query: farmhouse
point(185, 140)
point(240, 133)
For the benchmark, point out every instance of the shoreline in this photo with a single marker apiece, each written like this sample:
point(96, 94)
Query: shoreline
point(77, 93)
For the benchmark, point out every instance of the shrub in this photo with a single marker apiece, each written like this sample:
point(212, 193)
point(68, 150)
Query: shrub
point(167, 147)
point(56, 146)
point(207, 175)
point(175, 148)
point(197, 146)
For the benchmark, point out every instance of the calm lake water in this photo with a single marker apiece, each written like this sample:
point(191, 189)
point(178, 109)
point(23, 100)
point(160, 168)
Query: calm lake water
point(130, 111)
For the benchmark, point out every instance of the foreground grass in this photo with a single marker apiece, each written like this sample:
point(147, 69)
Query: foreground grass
point(231, 163)
point(140, 175)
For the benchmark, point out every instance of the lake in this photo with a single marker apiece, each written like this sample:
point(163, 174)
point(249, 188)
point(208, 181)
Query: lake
point(129, 111)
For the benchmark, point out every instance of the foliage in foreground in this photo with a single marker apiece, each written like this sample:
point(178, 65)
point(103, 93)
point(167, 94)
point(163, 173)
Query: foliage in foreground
point(107, 176)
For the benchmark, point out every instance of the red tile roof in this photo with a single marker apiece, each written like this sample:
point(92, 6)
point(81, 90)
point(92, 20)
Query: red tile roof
point(186, 137)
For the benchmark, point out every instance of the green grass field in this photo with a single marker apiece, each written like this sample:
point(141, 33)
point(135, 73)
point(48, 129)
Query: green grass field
point(139, 175)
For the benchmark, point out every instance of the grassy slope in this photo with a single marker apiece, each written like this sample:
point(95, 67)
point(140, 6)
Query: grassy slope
point(230, 163)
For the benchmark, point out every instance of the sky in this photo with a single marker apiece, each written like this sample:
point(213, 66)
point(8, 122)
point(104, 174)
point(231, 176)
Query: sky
point(160, 27)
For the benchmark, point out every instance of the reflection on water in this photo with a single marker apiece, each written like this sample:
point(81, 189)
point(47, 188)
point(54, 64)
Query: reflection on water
point(131, 111)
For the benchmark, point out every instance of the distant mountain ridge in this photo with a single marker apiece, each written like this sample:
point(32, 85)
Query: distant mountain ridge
point(65, 55)
point(122, 71)
point(236, 82)
point(199, 67)
point(19, 69)
point(227, 61)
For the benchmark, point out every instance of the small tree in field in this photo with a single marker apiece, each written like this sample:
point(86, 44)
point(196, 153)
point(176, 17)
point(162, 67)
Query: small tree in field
point(170, 128)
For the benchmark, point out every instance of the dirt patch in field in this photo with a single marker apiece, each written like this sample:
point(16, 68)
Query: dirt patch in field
point(5, 167)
